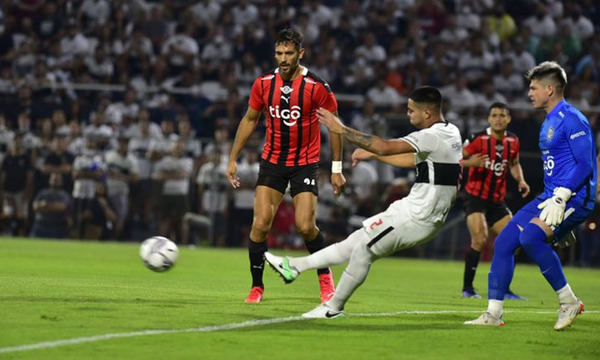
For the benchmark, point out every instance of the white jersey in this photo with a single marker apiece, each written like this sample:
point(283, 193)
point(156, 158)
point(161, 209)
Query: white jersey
point(214, 179)
point(171, 164)
point(163, 144)
point(85, 188)
point(439, 151)
point(124, 165)
point(248, 174)
point(138, 148)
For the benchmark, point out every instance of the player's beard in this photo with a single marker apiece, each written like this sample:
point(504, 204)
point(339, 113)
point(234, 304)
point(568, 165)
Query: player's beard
point(287, 73)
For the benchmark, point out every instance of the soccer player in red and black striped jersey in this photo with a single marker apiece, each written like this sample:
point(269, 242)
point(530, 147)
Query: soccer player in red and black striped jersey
point(490, 155)
point(289, 96)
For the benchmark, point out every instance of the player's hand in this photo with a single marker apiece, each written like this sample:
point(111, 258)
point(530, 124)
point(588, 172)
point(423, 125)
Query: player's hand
point(524, 189)
point(338, 181)
point(360, 154)
point(234, 181)
point(553, 209)
point(333, 123)
point(476, 160)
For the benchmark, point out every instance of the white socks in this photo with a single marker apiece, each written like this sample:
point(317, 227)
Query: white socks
point(334, 254)
point(566, 295)
point(495, 308)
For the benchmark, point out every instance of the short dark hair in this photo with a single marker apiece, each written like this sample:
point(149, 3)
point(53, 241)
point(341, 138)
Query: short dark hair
point(499, 105)
point(287, 36)
point(427, 95)
point(548, 70)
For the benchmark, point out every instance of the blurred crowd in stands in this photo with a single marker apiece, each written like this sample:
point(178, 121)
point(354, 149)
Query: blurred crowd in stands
point(116, 116)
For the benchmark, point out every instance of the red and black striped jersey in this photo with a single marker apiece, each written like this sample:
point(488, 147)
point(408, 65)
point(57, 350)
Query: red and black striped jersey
point(293, 136)
point(489, 182)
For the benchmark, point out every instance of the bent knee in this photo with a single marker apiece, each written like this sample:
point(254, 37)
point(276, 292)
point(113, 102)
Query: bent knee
point(307, 230)
point(261, 224)
point(478, 241)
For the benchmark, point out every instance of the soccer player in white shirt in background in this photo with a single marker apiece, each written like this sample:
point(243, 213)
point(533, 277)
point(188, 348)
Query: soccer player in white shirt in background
point(435, 151)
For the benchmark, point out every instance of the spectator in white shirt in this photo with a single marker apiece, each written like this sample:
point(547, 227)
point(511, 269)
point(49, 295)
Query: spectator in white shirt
point(217, 51)
point(121, 171)
point(74, 43)
point(88, 169)
point(521, 58)
point(99, 67)
point(384, 96)
point(459, 94)
point(507, 82)
point(128, 107)
point(476, 63)
point(488, 95)
point(244, 13)
point(206, 12)
point(370, 50)
point(452, 33)
point(541, 23)
point(93, 13)
point(181, 50)
point(138, 148)
point(213, 195)
point(138, 53)
point(173, 173)
point(320, 14)
point(580, 26)
point(241, 212)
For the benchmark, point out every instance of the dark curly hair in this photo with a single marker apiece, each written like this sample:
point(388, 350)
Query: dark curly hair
point(287, 36)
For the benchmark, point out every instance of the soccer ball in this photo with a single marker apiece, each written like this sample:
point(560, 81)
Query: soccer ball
point(159, 253)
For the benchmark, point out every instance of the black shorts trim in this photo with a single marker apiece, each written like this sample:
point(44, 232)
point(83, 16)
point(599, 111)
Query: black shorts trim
point(493, 212)
point(380, 236)
point(300, 178)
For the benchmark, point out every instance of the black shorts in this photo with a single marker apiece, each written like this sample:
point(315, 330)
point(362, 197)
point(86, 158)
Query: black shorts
point(493, 211)
point(301, 178)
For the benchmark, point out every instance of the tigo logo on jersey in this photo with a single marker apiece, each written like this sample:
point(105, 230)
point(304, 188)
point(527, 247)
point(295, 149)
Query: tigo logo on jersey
point(286, 114)
point(497, 167)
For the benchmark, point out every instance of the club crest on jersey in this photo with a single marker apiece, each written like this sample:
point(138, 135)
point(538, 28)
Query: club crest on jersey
point(550, 134)
point(286, 89)
point(499, 150)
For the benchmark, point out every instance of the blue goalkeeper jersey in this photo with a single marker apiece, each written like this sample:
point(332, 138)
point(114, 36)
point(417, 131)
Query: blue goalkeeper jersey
point(569, 153)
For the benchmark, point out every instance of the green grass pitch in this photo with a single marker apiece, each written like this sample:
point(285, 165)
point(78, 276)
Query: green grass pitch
point(76, 300)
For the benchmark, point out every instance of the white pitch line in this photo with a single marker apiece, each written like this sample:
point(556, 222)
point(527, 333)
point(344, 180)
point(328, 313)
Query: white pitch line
point(82, 340)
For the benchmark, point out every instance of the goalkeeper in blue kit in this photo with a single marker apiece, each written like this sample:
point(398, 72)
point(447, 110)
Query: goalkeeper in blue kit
point(570, 170)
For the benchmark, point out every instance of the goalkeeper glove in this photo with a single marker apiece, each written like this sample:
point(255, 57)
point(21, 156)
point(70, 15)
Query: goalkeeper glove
point(553, 209)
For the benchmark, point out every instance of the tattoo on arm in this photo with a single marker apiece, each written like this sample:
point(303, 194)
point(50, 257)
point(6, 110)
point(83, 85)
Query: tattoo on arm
point(363, 140)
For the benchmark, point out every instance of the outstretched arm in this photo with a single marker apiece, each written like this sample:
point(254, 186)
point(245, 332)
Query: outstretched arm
point(373, 143)
point(399, 160)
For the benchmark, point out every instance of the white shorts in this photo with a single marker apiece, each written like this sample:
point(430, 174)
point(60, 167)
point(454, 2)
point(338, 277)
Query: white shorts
point(393, 230)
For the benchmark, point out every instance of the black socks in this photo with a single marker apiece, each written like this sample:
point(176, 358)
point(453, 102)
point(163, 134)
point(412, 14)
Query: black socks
point(256, 251)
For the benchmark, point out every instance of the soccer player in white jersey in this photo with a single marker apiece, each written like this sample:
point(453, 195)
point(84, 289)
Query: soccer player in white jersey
point(435, 151)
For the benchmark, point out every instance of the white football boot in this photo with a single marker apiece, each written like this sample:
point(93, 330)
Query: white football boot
point(323, 311)
point(567, 314)
point(486, 319)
